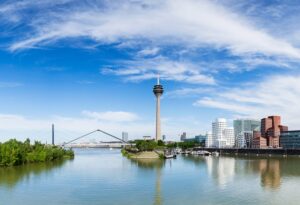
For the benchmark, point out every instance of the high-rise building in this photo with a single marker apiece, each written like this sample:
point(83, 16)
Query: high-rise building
point(209, 140)
point(243, 131)
point(183, 136)
point(125, 136)
point(222, 136)
point(158, 91)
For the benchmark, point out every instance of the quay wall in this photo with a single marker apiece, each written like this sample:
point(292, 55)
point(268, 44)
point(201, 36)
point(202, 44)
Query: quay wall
point(252, 151)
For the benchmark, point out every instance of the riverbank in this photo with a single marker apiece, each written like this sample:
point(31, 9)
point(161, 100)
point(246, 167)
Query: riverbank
point(13, 153)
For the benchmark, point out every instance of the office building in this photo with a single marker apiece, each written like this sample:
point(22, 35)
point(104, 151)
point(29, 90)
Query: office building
point(258, 141)
point(290, 139)
point(209, 140)
point(243, 130)
point(125, 136)
point(270, 129)
point(183, 136)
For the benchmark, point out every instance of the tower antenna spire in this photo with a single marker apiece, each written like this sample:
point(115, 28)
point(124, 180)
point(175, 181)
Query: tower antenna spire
point(158, 79)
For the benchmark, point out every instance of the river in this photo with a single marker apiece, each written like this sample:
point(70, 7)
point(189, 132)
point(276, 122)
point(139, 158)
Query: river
point(103, 176)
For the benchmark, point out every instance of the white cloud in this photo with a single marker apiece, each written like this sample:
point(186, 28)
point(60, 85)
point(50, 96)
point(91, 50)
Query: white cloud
point(144, 69)
point(193, 23)
point(274, 95)
point(113, 116)
point(149, 52)
point(68, 128)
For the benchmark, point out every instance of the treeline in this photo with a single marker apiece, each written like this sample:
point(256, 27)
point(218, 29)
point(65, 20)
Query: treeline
point(150, 145)
point(15, 152)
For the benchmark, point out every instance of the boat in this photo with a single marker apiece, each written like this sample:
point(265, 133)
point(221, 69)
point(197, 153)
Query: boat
point(170, 156)
point(203, 153)
point(215, 154)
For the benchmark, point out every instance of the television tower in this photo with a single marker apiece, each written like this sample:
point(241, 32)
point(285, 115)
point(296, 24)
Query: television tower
point(158, 91)
point(53, 134)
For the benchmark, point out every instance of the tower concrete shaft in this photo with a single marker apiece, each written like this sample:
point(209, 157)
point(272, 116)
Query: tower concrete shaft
point(158, 128)
point(53, 134)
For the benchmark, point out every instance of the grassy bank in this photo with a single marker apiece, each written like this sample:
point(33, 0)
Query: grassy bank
point(15, 152)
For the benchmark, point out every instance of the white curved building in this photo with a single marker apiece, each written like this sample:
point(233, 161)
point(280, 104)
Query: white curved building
point(222, 136)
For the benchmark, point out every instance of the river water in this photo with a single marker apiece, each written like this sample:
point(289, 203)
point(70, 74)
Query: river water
point(102, 176)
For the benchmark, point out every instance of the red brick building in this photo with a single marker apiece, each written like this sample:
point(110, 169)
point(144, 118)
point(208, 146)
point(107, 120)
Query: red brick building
point(269, 133)
point(258, 141)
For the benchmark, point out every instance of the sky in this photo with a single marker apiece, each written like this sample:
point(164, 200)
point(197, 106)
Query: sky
point(86, 65)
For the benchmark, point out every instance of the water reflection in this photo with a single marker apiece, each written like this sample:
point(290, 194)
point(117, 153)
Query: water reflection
point(221, 169)
point(157, 165)
point(10, 176)
point(271, 170)
point(270, 173)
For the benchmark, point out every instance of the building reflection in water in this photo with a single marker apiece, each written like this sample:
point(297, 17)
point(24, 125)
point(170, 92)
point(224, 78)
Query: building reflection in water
point(270, 169)
point(270, 173)
point(221, 169)
point(156, 164)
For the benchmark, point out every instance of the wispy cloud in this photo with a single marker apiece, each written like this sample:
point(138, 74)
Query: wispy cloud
point(149, 52)
point(190, 22)
point(115, 116)
point(274, 95)
point(144, 69)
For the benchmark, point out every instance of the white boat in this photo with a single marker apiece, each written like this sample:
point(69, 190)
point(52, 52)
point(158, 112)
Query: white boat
point(170, 156)
point(203, 152)
point(215, 153)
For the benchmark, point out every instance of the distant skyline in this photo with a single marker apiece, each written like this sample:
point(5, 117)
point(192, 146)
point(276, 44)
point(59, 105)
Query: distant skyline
point(84, 65)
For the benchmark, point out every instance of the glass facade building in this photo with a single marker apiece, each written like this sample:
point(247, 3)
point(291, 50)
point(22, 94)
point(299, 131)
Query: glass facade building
point(242, 130)
point(290, 139)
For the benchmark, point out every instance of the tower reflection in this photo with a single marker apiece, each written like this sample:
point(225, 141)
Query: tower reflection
point(157, 165)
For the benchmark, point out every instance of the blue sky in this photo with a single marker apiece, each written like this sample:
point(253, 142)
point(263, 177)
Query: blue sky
point(85, 65)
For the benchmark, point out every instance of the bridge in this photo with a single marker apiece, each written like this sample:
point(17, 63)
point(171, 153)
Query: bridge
point(121, 142)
